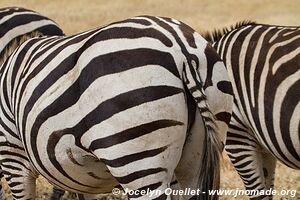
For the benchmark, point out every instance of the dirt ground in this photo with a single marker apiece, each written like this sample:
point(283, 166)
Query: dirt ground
point(79, 15)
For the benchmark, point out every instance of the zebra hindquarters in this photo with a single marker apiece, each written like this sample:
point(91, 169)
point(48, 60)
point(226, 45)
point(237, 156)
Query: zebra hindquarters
point(135, 123)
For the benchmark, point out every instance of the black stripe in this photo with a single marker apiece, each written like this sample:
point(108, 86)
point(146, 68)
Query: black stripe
point(242, 165)
point(50, 30)
point(225, 87)
point(15, 183)
point(94, 176)
point(15, 192)
point(23, 164)
point(235, 150)
point(118, 162)
point(239, 136)
point(193, 89)
point(139, 174)
point(12, 153)
point(139, 21)
point(133, 33)
point(11, 167)
point(174, 183)
point(212, 58)
point(224, 116)
point(132, 133)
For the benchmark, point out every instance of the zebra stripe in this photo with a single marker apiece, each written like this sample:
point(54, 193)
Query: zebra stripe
point(263, 65)
point(109, 106)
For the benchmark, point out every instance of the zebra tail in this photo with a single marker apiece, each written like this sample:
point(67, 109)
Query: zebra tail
point(209, 178)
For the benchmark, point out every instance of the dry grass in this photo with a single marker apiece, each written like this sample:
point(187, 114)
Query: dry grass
point(79, 15)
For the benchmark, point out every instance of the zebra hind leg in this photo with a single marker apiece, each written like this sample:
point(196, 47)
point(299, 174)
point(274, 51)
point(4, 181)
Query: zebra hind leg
point(19, 175)
point(23, 187)
point(246, 155)
point(269, 165)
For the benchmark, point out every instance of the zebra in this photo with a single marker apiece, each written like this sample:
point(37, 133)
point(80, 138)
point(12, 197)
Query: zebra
point(263, 63)
point(111, 106)
point(15, 22)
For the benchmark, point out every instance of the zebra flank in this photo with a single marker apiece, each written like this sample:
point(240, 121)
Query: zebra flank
point(263, 62)
point(112, 106)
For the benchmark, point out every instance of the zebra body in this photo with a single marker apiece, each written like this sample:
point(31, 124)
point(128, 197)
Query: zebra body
point(263, 63)
point(109, 106)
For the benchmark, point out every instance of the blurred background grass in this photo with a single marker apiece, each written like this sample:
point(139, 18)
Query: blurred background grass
point(80, 15)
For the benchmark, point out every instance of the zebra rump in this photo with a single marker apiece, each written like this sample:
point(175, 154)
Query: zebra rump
point(109, 106)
